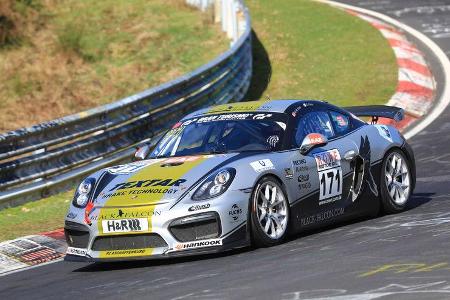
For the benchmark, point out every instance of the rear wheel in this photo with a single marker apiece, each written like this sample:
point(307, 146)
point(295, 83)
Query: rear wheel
point(269, 213)
point(395, 182)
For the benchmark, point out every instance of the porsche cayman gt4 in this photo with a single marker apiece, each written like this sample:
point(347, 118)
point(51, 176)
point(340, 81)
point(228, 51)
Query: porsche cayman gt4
point(244, 173)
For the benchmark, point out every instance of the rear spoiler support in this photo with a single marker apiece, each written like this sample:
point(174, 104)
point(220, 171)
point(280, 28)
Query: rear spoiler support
point(377, 111)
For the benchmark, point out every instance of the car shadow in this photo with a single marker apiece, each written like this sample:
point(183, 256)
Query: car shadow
point(261, 70)
point(137, 264)
point(417, 200)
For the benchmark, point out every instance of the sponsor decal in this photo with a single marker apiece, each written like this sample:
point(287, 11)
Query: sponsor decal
point(139, 192)
point(199, 207)
point(198, 244)
point(315, 138)
point(129, 252)
point(76, 251)
point(261, 116)
point(304, 186)
point(224, 117)
point(71, 215)
point(303, 178)
point(125, 225)
point(322, 216)
point(129, 168)
point(341, 121)
point(296, 110)
point(273, 140)
point(299, 162)
point(330, 175)
point(146, 183)
point(126, 215)
point(327, 159)
point(301, 169)
point(384, 132)
point(235, 212)
point(174, 160)
point(288, 173)
point(262, 165)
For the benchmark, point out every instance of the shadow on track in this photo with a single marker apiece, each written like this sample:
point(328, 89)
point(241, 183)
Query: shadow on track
point(418, 199)
point(261, 71)
point(112, 266)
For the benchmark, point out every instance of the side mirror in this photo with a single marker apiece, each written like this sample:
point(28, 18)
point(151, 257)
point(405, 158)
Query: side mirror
point(142, 152)
point(311, 141)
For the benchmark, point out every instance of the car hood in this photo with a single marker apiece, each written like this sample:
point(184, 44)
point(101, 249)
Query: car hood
point(155, 181)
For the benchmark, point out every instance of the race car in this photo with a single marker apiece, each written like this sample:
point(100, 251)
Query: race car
point(240, 174)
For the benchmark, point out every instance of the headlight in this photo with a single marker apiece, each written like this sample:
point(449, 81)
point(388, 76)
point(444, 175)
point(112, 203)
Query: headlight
point(215, 185)
point(83, 192)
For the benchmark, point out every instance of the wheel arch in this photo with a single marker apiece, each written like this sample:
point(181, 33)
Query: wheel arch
point(409, 154)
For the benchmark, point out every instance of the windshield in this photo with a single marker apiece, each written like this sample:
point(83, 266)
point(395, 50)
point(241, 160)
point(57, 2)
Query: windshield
point(238, 132)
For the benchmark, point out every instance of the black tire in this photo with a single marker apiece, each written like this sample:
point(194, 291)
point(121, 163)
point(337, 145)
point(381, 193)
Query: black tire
point(394, 204)
point(259, 237)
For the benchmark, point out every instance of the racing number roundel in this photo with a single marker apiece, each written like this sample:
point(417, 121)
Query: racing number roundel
point(330, 175)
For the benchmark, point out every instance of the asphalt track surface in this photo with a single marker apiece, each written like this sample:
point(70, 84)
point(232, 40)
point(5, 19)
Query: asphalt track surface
point(404, 256)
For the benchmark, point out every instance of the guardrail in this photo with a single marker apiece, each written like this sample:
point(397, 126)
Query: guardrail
point(50, 157)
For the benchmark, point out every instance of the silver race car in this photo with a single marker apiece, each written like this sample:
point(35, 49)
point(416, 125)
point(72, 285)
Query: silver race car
point(235, 174)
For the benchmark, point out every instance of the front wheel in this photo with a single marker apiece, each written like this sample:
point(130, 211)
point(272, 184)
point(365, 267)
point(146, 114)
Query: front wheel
point(269, 213)
point(395, 182)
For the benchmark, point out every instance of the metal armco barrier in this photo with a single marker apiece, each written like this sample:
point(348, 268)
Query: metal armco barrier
point(50, 157)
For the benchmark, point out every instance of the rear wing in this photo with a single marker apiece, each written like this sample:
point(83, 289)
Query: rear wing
point(377, 111)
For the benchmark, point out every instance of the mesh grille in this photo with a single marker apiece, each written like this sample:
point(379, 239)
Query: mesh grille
point(124, 242)
point(196, 231)
point(76, 238)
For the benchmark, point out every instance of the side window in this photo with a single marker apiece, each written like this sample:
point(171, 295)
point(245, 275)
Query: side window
point(313, 122)
point(341, 123)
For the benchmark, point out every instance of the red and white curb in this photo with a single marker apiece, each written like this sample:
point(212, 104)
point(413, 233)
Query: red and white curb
point(416, 85)
point(442, 100)
point(32, 250)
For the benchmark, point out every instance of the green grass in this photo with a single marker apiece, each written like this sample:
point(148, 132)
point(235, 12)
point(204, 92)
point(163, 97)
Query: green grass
point(34, 217)
point(81, 54)
point(319, 52)
point(315, 52)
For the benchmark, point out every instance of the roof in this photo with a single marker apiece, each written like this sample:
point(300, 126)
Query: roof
point(249, 106)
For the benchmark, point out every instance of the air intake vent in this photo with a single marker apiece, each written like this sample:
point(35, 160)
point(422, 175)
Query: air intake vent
point(124, 242)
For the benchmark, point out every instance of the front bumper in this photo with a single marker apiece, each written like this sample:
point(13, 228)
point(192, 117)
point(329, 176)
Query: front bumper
point(238, 239)
point(184, 229)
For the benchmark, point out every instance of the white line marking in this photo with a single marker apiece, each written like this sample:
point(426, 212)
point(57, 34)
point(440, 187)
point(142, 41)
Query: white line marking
point(444, 100)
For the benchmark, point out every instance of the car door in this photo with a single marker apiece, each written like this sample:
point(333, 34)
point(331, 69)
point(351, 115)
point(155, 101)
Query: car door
point(329, 171)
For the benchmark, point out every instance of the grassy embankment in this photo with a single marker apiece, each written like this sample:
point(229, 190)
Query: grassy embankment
point(302, 49)
point(62, 57)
